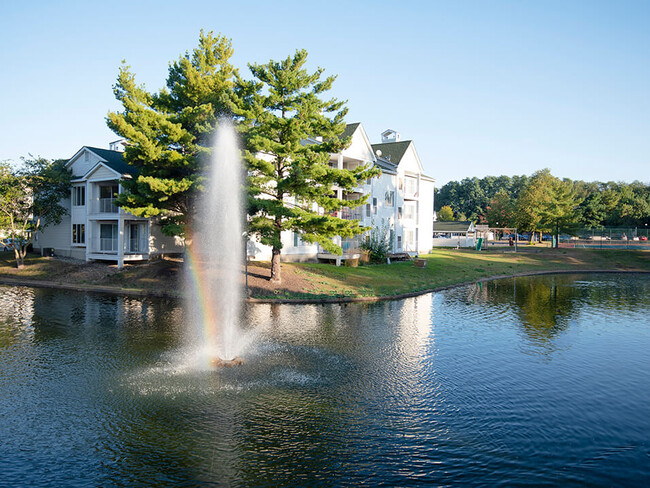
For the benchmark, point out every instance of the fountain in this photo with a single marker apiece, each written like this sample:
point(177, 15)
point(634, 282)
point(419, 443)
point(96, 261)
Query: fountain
point(213, 260)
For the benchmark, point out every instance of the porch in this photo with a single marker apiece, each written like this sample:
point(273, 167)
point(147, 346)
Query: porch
point(107, 243)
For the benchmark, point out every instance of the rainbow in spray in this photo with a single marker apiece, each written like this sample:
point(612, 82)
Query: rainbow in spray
point(214, 256)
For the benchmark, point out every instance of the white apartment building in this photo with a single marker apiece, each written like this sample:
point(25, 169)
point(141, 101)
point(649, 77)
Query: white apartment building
point(95, 228)
point(400, 201)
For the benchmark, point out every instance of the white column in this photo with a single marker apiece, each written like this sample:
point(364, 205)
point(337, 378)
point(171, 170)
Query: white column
point(120, 242)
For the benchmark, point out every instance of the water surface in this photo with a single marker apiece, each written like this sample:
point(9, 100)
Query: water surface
point(540, 380)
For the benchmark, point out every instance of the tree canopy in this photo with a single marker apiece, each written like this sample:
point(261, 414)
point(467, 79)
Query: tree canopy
point(30, 199)
point(520, 201)
point(168, 132)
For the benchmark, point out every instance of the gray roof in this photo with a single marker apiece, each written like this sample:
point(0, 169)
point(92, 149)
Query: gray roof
point(349, 130)
point(392, 151)
point(461, 226)
point(114, 160)
point(386, 165)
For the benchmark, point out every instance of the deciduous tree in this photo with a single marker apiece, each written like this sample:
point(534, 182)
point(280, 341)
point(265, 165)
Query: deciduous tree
point(31, 199)
point(446, 214)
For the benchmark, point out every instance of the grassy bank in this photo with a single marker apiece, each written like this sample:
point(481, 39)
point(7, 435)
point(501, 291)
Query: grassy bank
point(447, 267)
point(444, 267)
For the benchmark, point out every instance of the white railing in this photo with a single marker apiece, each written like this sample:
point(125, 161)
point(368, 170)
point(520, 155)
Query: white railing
point(137, 246)
point(351, 214)
point(107, 205)
point(107, 244)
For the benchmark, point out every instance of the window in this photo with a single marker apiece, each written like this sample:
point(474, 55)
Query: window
point(78, 233)
point(409, 211)
point(390, 198)
point(399, 213)
point(108, 191)
point(368, 209)
point(374, 206)
point(399, 242)
point(107, 198)
point(78, 196)
point(411, 186)
point(297, 241)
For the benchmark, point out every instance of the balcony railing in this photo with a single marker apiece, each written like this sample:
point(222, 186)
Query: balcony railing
point(351, 214)
point(107, 244)
point(107, 205)
point(137, 246)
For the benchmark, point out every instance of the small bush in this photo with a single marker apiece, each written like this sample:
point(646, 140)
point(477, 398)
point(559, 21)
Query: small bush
point(377, 244)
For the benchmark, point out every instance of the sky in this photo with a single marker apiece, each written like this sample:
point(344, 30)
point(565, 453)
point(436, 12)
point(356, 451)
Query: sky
point(482, 88)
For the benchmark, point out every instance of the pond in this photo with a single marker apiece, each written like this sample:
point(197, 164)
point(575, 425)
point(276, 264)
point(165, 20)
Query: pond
point(539, 380)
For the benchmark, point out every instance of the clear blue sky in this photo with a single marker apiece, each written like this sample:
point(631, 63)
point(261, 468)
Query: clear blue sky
point(483, 88)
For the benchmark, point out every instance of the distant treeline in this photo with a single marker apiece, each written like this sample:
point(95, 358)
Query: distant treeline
point(542, 202)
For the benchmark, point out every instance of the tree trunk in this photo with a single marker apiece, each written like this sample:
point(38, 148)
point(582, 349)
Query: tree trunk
point(19, 257)
point(275, 266)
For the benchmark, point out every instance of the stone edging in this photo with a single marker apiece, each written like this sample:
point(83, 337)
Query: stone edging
point(299, 301)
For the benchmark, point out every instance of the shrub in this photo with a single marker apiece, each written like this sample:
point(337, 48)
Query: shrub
point(377, 244)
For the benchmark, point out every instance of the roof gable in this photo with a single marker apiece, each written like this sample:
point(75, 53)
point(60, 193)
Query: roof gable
point(360, 147)
point(102, 171)
point(392, 151)
point(114, 160)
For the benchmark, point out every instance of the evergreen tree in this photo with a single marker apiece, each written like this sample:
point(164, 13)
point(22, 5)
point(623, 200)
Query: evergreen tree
point(288, 139)
point(168, 133)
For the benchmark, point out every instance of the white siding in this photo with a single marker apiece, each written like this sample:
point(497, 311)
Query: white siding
point(83, 163)
point(359, 147)
point(57, 236)
point(103, 173)
point(426, 216)
point(160, 243)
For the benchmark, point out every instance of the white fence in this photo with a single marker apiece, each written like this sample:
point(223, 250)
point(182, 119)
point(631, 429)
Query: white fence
point(455, 241)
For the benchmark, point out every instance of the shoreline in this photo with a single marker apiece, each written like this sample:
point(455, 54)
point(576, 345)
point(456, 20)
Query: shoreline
point(140, 293)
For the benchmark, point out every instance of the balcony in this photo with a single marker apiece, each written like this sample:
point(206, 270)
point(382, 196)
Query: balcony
point(105, 206)
point(106, 245)
point(351, 214)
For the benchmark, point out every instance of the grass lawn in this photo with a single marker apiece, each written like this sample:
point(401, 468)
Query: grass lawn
point(450, 266)
point(317, 281)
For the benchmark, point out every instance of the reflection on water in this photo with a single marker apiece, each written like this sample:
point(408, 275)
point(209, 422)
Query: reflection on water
point(527, 380)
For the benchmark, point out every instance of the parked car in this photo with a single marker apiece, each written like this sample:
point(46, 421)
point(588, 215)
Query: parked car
point(643, 238)
point(8, 244)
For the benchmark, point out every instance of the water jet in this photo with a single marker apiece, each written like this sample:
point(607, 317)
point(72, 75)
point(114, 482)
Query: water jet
point(214, 256)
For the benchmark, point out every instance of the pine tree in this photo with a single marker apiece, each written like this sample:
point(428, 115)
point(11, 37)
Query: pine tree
point(168, 133)
point(288, 138)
